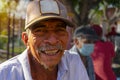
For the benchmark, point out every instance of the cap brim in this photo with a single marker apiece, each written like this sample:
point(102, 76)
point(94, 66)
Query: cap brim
point(42, 18)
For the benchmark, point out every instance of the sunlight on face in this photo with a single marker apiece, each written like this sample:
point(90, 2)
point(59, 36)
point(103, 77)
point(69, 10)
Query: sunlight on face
point(48, 40)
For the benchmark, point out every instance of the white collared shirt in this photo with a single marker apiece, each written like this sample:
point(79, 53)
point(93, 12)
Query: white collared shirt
point(17, 68)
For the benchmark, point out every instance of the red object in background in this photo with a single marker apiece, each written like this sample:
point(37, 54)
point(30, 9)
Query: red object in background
point(112, 32)
point(102, 60)
point(97, 29)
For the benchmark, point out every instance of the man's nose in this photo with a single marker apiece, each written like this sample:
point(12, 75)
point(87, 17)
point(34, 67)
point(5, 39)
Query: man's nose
point(52, 38)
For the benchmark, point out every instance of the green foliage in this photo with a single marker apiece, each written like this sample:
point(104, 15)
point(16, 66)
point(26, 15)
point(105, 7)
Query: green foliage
point(75, 2)
point(115, 3)
point(3, 16)
point(95, 16)
point(3, 41)
point(19, 50)
point(4, 32)
point(3, 6)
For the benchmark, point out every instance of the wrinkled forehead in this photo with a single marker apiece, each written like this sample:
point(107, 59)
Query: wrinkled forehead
point(51, 23)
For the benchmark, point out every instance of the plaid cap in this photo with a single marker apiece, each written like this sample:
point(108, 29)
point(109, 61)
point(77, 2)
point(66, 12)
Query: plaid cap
point(39, 10)
point(86, 32)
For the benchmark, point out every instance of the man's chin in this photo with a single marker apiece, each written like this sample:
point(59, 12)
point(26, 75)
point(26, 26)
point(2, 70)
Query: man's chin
point(48, 67)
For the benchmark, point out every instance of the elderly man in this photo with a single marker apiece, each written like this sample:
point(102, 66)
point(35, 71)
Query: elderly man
point(46, 39)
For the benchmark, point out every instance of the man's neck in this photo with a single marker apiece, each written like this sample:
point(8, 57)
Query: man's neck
point(39, 72)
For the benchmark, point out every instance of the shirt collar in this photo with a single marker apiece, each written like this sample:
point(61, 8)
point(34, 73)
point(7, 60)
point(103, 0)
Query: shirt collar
point(63, 63)
point(23, 58)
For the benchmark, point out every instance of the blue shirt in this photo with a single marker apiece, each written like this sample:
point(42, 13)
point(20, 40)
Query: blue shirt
point(18, 68)
point(89, 62)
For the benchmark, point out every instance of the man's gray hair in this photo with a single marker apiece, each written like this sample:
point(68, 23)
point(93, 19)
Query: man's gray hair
point(27, 31)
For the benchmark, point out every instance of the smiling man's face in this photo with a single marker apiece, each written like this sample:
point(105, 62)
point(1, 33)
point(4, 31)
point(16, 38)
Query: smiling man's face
point(47, 41)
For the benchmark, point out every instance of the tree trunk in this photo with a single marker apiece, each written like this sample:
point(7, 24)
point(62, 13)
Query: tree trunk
point(71, 11)
point(84, 8)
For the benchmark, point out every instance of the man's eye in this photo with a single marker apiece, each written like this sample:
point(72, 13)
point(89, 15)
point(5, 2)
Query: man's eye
point(40, 30)
point(61, 25)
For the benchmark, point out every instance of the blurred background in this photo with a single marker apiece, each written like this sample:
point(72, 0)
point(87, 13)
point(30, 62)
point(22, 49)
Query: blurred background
point(105, 13)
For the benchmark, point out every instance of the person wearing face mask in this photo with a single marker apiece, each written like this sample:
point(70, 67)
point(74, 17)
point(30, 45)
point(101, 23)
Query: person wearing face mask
point(84, 38)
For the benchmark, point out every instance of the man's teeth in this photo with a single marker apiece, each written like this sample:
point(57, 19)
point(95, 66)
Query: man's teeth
point(51, 52)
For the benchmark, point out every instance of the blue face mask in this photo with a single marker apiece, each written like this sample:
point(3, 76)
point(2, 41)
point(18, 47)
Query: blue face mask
point(86, 49)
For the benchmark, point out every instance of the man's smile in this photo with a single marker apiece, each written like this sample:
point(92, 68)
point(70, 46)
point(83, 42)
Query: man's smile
point(50, 52)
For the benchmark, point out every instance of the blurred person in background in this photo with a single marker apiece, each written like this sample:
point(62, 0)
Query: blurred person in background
point(102, 57)
point(84, 38)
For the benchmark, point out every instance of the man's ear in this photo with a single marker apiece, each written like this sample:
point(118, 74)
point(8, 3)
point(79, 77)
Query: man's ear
point(76, 41)
point(25, 38)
